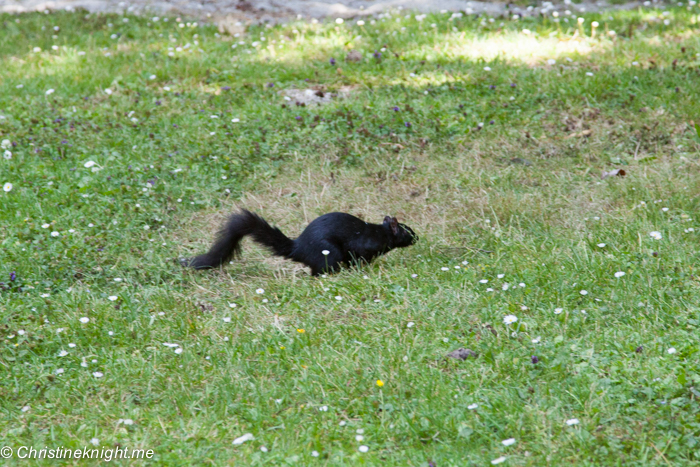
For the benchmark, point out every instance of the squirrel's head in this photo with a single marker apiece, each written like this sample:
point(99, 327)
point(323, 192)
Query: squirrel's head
point(402, 235)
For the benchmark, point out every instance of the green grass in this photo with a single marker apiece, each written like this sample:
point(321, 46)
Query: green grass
point(163, 181)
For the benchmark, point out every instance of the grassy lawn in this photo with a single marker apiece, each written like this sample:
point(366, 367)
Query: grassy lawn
point(131, 139)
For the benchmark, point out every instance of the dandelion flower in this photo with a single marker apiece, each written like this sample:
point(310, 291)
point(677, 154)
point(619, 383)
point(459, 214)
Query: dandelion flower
point(380, 383)
point(510, 319)
point(619, 274)
point(301, 331)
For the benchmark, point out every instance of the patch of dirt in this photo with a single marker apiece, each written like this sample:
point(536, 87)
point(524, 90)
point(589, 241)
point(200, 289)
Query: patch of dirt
point(316, 95)
point(462, 354)
point(275, 11)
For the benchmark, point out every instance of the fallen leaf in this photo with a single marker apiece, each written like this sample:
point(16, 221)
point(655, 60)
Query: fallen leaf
point(585, 133)
point(461, 354)
point(614, 173)
point(518, 160)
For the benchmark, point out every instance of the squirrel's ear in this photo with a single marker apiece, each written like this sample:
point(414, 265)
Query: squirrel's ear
point(392, 224)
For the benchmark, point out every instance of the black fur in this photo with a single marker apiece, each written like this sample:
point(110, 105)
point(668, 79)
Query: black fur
point(347, 239)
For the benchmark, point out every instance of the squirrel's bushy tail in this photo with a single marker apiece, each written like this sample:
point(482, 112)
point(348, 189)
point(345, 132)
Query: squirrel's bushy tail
point(228, 241)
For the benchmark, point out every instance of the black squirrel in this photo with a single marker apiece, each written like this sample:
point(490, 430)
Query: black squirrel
point(329, 242)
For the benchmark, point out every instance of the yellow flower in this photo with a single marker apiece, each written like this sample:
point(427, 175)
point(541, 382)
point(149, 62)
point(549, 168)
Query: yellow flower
point(282, 347)
point(301, 331)
point(380, 383)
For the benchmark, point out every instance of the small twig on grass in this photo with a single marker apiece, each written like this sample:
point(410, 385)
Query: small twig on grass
point(660, 453)
point(637, 149)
